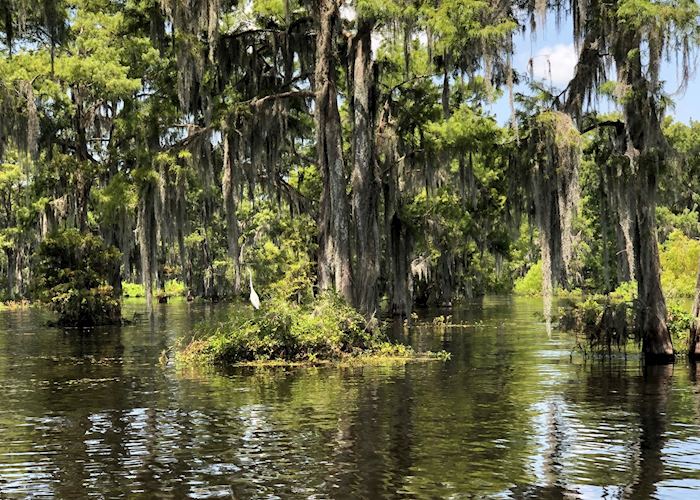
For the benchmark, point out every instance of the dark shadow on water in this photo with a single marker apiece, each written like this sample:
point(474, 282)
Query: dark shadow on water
point(652, 406)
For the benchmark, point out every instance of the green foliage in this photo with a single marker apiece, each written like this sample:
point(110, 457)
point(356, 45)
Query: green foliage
point(175, 288)
point(667, 221)
point(679, 321)
point(72, 273)
point(531, 283)
point(133, 290)
point(114, 199)
point(679, 257)
point(172, 288)
point(625, 292)
point(326, 329)
point(276, 246)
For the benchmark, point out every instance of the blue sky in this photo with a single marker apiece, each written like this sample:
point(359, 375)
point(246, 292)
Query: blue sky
point(553, 48)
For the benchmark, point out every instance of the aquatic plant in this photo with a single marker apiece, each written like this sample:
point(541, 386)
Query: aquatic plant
point(326, 329)
point(603, 322)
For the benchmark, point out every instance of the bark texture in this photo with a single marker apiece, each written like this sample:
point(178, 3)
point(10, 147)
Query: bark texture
point(335, 270)
point(230, 206)
point(645, 149)
point(364, 180)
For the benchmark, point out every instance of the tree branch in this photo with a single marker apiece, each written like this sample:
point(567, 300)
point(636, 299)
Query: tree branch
point(257, 102)
point(605, 123)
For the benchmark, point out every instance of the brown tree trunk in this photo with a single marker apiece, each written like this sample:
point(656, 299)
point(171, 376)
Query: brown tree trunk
point(364, 181)
point(83, 180)
point(147, 239)
point(656, 340)
point(396, 265)
point(334, 246)
point(401, 281)
point(230, 206)
point(644, 149)
point(11, 272)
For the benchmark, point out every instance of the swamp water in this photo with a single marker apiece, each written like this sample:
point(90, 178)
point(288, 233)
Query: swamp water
point(511, 414)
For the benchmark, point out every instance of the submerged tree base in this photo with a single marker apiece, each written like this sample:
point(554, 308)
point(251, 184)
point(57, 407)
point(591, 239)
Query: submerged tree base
point(326, 331)
point(651, 358)
point(603, 323)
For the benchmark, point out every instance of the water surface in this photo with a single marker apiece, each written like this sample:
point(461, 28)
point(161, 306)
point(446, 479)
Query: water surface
point(512, 414)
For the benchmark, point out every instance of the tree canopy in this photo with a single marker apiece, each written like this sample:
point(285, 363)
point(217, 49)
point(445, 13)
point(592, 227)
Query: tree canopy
point(347, 140)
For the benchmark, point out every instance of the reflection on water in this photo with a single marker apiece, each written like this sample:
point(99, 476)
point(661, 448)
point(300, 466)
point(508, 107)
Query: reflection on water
point(512, 414)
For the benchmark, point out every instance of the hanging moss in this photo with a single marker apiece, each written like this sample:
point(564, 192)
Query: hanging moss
point(555, 155)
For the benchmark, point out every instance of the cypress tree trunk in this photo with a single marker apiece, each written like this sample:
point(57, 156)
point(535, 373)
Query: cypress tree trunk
point(645, 151)
point(401, 281)
point(365, 181)
point(230, 205)
point(147, 239)
point(622, 203)
point(11, 272)
point(83, 180)
point(656, 340)
point(334, 246)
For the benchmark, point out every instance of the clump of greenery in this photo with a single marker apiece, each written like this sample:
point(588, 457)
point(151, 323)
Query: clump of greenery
point(174, 288)
point(531, 282)
point(171, 288)
point(326, 329)
point(133, 290)
point(72, 275)
point(679, 321)
point(668, 222)
point(609, 320)
point(679, 257)
point(294, 327)
point(625, 292)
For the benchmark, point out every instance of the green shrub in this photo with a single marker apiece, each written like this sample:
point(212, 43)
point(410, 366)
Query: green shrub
point(175, 288)
point(326, 329)
point(276, 242)
point(679, 321)
point(679, 257)
point(133, 290)
point(625, 292)
point(667, 222)
point(172, 288)
point(294, 327)
point(72, 275)
point(531, 283)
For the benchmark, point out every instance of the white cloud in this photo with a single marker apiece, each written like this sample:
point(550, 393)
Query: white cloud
point(556, 63)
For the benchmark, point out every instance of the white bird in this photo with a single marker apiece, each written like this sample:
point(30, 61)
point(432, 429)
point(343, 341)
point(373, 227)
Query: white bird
point(254, 299)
